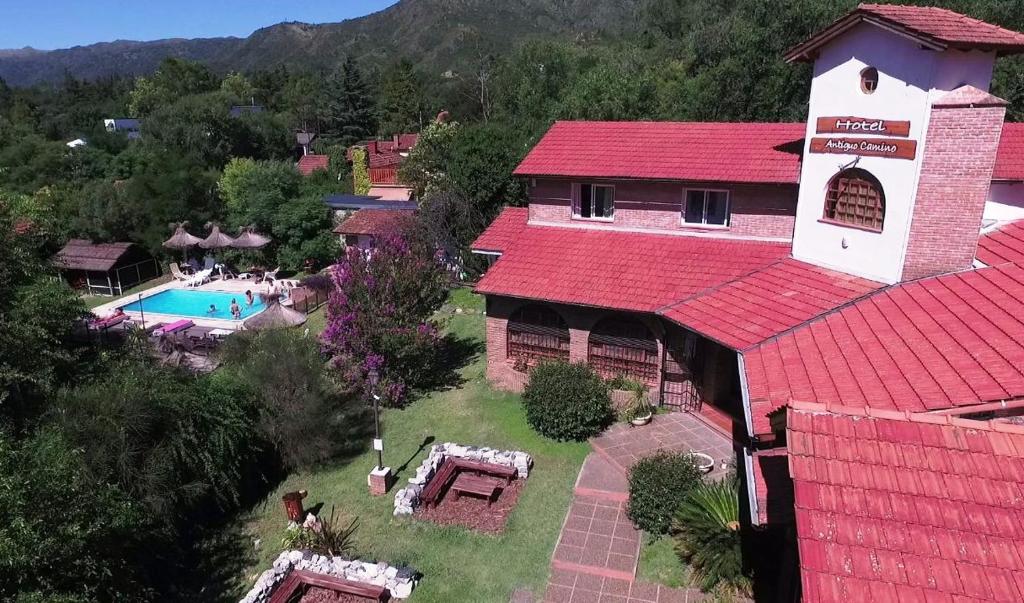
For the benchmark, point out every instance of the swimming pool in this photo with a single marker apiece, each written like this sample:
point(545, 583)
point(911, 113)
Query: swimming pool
point(195, 304)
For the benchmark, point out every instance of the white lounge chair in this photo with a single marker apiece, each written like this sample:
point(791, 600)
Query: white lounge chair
point(177, 273)
point(203, 276)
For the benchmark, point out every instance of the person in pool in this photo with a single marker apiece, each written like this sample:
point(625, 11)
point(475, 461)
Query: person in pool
point(212, 310)
point(236, 310)
point(249, 299)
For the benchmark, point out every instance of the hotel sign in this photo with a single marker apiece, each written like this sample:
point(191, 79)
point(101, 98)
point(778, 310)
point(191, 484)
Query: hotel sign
point(862, 125)
point(895, 148)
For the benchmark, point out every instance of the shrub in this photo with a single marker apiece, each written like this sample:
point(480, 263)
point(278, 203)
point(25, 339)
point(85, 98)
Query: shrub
point(324, 536)
point(707, 533)
point(658, 485)
point(567, 401)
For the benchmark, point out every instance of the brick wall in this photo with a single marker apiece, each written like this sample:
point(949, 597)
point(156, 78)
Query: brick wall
point(956, 172)
point(580, 321)
point(756, 211)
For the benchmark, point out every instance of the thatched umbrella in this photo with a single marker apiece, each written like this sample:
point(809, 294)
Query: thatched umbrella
point(216, 239)
point(181, 239)
point(275, 316)
point(247, 239)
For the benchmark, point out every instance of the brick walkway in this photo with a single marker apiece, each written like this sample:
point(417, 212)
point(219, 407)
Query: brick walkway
point(598, 550)
point(623, 444)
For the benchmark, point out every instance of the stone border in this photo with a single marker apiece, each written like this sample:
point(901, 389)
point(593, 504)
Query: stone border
point(408, 498)
point(400, 581)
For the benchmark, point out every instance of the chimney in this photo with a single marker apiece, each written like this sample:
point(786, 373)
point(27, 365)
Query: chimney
point(956, 172)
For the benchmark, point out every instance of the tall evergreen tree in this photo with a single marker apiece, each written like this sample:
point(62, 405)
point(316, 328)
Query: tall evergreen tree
point(401, 99)
point(348, 108)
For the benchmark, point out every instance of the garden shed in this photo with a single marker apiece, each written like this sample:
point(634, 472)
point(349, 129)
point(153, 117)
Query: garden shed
point(104, 268)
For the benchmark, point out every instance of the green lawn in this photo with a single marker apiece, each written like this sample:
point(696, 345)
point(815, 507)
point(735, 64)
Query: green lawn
point(91, 301)
point(457, 564)
point(660, 564)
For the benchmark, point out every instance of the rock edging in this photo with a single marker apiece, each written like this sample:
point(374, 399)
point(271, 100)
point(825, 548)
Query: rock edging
point(408, 498)
point(400, 581)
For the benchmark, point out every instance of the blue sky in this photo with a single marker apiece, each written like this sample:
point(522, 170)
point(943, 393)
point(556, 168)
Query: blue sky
point(49, 24)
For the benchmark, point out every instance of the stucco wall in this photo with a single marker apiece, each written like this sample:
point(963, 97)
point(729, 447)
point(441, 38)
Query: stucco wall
point(759, 211)
point(910, 78)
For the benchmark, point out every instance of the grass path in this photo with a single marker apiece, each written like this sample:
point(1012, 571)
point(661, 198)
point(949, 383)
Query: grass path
point(458, 565)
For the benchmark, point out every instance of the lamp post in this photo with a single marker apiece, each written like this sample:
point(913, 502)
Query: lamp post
point(379, 479)
point(378, 443)
point(142, 312)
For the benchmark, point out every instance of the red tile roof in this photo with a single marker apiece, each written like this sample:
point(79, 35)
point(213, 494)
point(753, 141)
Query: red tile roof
point(937, 28)
point(715, 152)
point(502, 231)
point(748, 310)
point(311, 163)
point(621, 270)
point(1002, 245)
point(948, 341)
point(372, 221)
point(893, 507)
point(1010, 156)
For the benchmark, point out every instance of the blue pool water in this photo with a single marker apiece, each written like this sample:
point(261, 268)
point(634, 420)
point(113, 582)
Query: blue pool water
point(195, 304)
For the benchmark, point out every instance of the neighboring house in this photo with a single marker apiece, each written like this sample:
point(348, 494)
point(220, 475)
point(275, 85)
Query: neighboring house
point(384, 157)
point(364, 226)
point(311, 163)
point(131, 127)
point(864, 263)
point(241, 110)
point(104, 268)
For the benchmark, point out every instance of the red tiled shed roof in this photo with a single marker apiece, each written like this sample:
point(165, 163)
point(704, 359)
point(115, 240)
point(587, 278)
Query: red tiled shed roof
point(502, 231)
point(311, 163)
point(894, 507)
point(713, 152)
point(1002, 245)
point(752, 308)
point(372, 221)
point(1010, 156)
point(937, 28)
point(621, 270)
point(949, 341)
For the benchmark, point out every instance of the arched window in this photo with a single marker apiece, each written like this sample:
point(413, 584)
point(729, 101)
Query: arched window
point(855, 197)
point(536, 333)
point(624, 347)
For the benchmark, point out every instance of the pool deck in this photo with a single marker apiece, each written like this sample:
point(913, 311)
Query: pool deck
point(234, 285)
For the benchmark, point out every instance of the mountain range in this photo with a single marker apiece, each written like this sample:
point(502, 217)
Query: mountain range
point(437, 35)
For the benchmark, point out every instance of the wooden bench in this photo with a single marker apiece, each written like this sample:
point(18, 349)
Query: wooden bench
point(300, 579)
point(478, 467)
point(474, 484)
point(435, 489)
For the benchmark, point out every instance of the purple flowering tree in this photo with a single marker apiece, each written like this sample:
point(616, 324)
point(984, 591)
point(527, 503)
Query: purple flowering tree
point(379, 315)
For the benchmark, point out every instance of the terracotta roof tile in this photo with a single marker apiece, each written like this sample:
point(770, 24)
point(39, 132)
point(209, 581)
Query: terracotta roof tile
point(948, 341)
point(748, 310)
point(372, 221)
point(311, 163)
point(1002, 245)
point(1010, 156)
point(938, 27)
point(884, 545)
point(502, 231)
point(621, 270)
point(716, 152)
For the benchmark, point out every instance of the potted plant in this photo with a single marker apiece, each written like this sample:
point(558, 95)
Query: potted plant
point(639, 410)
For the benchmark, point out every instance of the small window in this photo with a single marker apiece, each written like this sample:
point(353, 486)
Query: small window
point(706, 207)
point(869, 80)
point(855, 197)
point(595, 202)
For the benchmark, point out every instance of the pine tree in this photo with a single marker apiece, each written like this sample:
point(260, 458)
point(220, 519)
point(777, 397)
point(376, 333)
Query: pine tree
point(401, 99)
point(348, 108)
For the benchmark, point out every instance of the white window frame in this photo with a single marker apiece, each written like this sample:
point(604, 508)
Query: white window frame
point(577, 198)
point(703, 223)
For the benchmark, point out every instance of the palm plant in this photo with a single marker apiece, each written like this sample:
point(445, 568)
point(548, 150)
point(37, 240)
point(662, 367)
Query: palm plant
point(707, 536)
